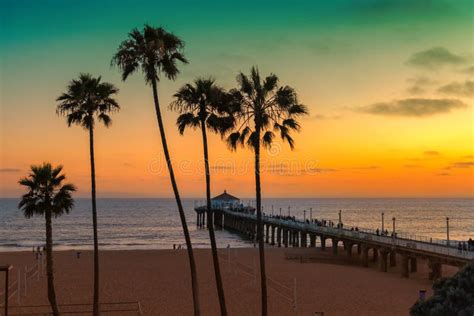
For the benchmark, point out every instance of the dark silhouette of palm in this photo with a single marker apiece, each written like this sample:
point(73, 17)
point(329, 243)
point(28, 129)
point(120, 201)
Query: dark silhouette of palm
point(86, 100)
point(48, 197)
point(202, 105)
point(156, 52)
point(263, 109)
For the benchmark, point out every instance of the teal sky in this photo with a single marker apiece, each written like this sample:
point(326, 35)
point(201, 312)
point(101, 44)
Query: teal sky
point(340, 55)
point(49, 42)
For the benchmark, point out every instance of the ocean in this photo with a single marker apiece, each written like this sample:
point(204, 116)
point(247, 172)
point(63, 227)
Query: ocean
point(155, 224)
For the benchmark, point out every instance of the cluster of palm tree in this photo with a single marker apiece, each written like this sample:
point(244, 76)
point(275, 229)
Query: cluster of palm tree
point(250, 115)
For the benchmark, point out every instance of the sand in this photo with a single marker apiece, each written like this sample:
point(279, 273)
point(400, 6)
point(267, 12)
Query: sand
point(160, 281)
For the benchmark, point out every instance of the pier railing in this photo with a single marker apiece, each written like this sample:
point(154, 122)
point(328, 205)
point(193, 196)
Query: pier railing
point(398, 234)
point(400, 240)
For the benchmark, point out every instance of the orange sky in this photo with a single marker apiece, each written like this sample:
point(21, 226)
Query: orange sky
point(390, 101)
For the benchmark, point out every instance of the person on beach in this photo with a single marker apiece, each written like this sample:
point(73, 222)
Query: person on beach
point(377, 231)
point(459, 247)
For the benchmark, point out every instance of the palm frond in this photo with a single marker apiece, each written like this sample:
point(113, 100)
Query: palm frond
point(267, 139)
point(270, 83)
point(187, 120)
point(297, 109)
point(233, 140)
point(105, 119)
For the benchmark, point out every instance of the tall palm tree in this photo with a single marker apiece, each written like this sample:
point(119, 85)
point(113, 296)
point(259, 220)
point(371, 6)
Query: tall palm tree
point(156, 52)
point(48, 197)
point(264, 109)
point(202, 105)
point(86, 100)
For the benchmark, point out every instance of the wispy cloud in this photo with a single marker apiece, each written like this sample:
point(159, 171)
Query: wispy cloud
point(364, 168)
point(412, 166)
point(435, 58)
point(321, 170)
point(431, 153)
point(468, 70)
point(419, 84)
point(413, 107)
point(460, 164)
point(458, 89)
point(6, 170)
point(443, 174)
point(326, 117)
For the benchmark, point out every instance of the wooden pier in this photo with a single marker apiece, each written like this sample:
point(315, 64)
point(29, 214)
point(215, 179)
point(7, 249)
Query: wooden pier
point(367, 246)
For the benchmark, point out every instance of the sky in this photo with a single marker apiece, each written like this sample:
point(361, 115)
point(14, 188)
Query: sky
point(389, 85)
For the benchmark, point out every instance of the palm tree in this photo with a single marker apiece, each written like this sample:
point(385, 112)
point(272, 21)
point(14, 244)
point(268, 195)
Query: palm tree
point(265, 108)
point(47, 197)
point(156, 52)
point(202, 105)
point(85, 100)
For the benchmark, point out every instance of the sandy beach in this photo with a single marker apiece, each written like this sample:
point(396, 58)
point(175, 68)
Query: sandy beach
point(159, 280)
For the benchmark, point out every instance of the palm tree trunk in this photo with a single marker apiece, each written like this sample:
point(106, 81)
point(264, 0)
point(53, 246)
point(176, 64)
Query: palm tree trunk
point(49, 264)
point(94, 224)
point(210, 224)
point(187, 237)
point(261, 251)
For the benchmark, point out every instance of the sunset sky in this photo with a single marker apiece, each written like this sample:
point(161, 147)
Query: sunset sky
point(389, 85)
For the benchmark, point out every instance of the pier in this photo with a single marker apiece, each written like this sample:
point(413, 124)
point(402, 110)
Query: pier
point(362, 244)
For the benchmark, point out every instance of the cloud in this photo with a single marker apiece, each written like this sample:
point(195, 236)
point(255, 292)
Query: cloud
point(443, 174)
point(418, 85)
point(9, 170)
point(412, 166)
point(364, 168)
point(469, 156)
point(320, 170)
point(462, 164)
point(413, 107)
point(469, 70)
point(414, 89)
point(326, 117)
point(435, 58)
point(431, 153)
point(459, 89)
